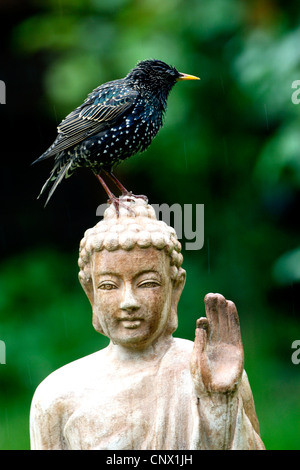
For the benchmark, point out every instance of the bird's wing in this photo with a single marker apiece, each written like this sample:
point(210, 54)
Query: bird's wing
point(99, 108)
point(99, 111)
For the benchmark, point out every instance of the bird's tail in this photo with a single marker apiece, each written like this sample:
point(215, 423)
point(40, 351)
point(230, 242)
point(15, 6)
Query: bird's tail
point(57, 174)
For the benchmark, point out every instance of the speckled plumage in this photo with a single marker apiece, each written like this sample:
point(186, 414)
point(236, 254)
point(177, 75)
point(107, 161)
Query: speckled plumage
point(117, 120)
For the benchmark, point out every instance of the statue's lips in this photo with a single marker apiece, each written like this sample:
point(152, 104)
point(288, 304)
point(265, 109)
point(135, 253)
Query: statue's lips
point(131, 323)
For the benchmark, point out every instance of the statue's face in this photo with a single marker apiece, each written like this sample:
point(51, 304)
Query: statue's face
point(132, 294)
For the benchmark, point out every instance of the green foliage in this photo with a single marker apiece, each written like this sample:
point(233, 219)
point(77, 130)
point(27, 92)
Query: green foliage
point(230, 141)
point(45, 323)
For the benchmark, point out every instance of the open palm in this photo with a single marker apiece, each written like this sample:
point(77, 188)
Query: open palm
point(217, 360)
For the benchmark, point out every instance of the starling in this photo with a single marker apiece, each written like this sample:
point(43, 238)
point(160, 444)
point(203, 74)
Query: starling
point(117, 120)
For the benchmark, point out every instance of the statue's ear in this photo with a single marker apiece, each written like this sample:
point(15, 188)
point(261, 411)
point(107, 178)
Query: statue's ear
point(176, 293)
point(96, 323)
point(178, 287)
point(88, 289)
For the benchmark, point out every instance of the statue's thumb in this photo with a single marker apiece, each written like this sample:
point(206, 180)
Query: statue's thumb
point(201, 333)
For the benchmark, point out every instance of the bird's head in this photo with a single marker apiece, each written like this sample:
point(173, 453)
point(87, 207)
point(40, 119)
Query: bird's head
point(156, 77)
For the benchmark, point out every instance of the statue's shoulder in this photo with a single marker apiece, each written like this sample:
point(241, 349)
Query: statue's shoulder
point(68, 380)
point(179, 352)
point(182, 345)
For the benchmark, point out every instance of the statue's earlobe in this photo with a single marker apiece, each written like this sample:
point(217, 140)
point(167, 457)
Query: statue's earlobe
point(96, 324)
point(89, 290)
point(178, 287)
point(176, 293)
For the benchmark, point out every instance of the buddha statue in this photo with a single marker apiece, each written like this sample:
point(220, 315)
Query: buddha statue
point(147, 390)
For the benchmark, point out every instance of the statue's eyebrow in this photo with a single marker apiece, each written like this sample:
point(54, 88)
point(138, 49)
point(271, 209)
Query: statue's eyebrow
point(148, 271)
point(107, 273)
point(139, 273)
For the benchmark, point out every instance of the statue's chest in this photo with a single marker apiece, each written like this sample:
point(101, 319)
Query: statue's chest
point(121, 416)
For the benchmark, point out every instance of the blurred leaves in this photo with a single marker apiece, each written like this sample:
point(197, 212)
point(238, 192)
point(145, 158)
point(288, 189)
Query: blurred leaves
point(287, 267)
point(266, 68)
point(45, 323)
point(279, 159)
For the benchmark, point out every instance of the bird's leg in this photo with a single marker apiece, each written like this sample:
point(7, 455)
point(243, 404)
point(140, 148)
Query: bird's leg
point(123, 190)
point(112, 198)
point(117, 183)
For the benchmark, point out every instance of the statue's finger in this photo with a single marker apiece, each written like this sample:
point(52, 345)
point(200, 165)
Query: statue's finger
point(202, 323)
point(212, 313)
point(234, 324)
point(224, 321)
point(201, 334)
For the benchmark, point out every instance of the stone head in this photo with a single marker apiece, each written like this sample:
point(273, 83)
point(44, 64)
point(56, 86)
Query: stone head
point(130, 269)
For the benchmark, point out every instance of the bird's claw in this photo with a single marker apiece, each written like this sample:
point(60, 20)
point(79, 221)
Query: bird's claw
point(129, 196)
point(117, 204)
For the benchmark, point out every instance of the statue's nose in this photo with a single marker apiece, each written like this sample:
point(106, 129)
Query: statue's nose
point(129, 301)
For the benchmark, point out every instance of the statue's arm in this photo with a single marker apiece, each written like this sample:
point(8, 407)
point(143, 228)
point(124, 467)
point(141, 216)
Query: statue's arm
point(246, 434)
point(227, 417)
point(46, 425)
point(228, 421)
point(248, 402)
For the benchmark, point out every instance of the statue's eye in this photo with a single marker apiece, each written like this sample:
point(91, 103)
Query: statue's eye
point(149, 284)
point(107, 286)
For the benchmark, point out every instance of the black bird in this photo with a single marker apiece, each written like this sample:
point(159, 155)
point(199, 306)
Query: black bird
point(118, 119)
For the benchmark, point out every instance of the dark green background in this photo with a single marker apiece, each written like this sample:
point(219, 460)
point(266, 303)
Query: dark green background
point(230, 142)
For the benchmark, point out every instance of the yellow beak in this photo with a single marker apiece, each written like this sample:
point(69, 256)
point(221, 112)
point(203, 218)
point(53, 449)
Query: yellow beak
point(185, 76)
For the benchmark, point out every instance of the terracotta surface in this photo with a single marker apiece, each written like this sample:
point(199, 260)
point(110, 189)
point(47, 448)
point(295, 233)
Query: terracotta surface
point(147, 389)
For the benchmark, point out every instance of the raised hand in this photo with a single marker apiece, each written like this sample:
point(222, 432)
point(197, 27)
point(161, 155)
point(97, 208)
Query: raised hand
point(218, 358)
